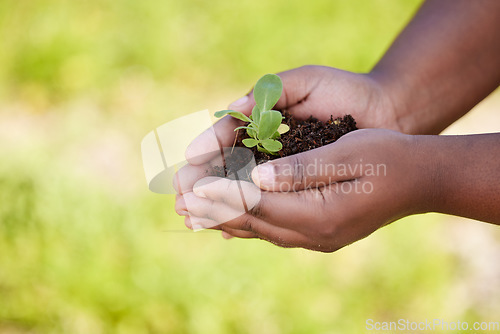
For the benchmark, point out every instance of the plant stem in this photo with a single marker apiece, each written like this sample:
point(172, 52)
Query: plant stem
point(235, 139)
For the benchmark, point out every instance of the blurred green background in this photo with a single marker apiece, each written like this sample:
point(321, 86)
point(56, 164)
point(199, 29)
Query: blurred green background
point(86, 248)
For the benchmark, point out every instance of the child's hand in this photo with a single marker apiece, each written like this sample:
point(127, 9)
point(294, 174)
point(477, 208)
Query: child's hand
point(322, 199)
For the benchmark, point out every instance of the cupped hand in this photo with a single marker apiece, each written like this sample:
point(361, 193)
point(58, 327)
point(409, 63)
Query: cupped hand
point(322, 199)
point(310, 90)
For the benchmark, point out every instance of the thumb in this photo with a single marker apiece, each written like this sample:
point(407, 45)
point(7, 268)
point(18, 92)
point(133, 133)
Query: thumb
point(312, 169)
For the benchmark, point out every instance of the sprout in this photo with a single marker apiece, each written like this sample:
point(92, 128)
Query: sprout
point(264, 124)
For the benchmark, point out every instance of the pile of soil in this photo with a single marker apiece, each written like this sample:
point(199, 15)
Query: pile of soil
point(304, 135)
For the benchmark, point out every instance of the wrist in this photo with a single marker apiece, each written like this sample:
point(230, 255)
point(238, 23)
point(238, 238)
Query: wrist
point(393, 110)
point(461, 175)
point(427, 176)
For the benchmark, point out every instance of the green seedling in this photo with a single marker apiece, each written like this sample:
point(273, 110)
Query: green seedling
point(264, 124)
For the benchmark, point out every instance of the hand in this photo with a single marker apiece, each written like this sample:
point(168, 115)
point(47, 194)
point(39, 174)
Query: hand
point(310, 90)
point(322, 91)
point(322, 199)
point(319, 91)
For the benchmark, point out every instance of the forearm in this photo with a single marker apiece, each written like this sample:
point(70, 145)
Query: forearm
point(461, 175)
point(443, 63)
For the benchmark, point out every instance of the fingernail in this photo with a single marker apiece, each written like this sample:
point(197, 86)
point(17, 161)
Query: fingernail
point(239, 102)
point(263, 175)
point(183, 213)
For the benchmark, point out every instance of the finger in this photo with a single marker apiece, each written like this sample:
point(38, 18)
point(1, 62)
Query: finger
point(247, 226)
point(228, 233)
point(205, 208)
point(239, 195)
point(186, 176)
point(180, 206)
point(317, 232)
point(312, 169)
point(218, 216)
point(187, 222)
point(291, 210)
point(197, 223)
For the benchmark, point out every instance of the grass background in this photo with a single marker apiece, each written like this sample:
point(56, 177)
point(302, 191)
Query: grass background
point(86, 248)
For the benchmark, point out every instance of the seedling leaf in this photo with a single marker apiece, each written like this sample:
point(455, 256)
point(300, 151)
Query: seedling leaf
point(261, 149)
point(267, 91)
point(283, 128)
point(270, 121)
point(242, 127)
point(252, 133)
point(272, 145)
point(235, 114)
point(256, 114)
point(250, 142)
point(264, 124)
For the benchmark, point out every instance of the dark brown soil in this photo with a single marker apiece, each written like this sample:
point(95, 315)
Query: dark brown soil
point(304, 135)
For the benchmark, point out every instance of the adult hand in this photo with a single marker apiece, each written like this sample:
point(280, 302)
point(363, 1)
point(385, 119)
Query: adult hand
point(319, 91)
point(322, 199)
point(310, 90)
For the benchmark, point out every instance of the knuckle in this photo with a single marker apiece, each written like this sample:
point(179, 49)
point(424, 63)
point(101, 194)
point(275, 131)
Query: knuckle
point(328, 231)
point(204, 209)
point(298, 175)
point(289, 174)
point(257, 210)
point(247, 223)
point(261, 208)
